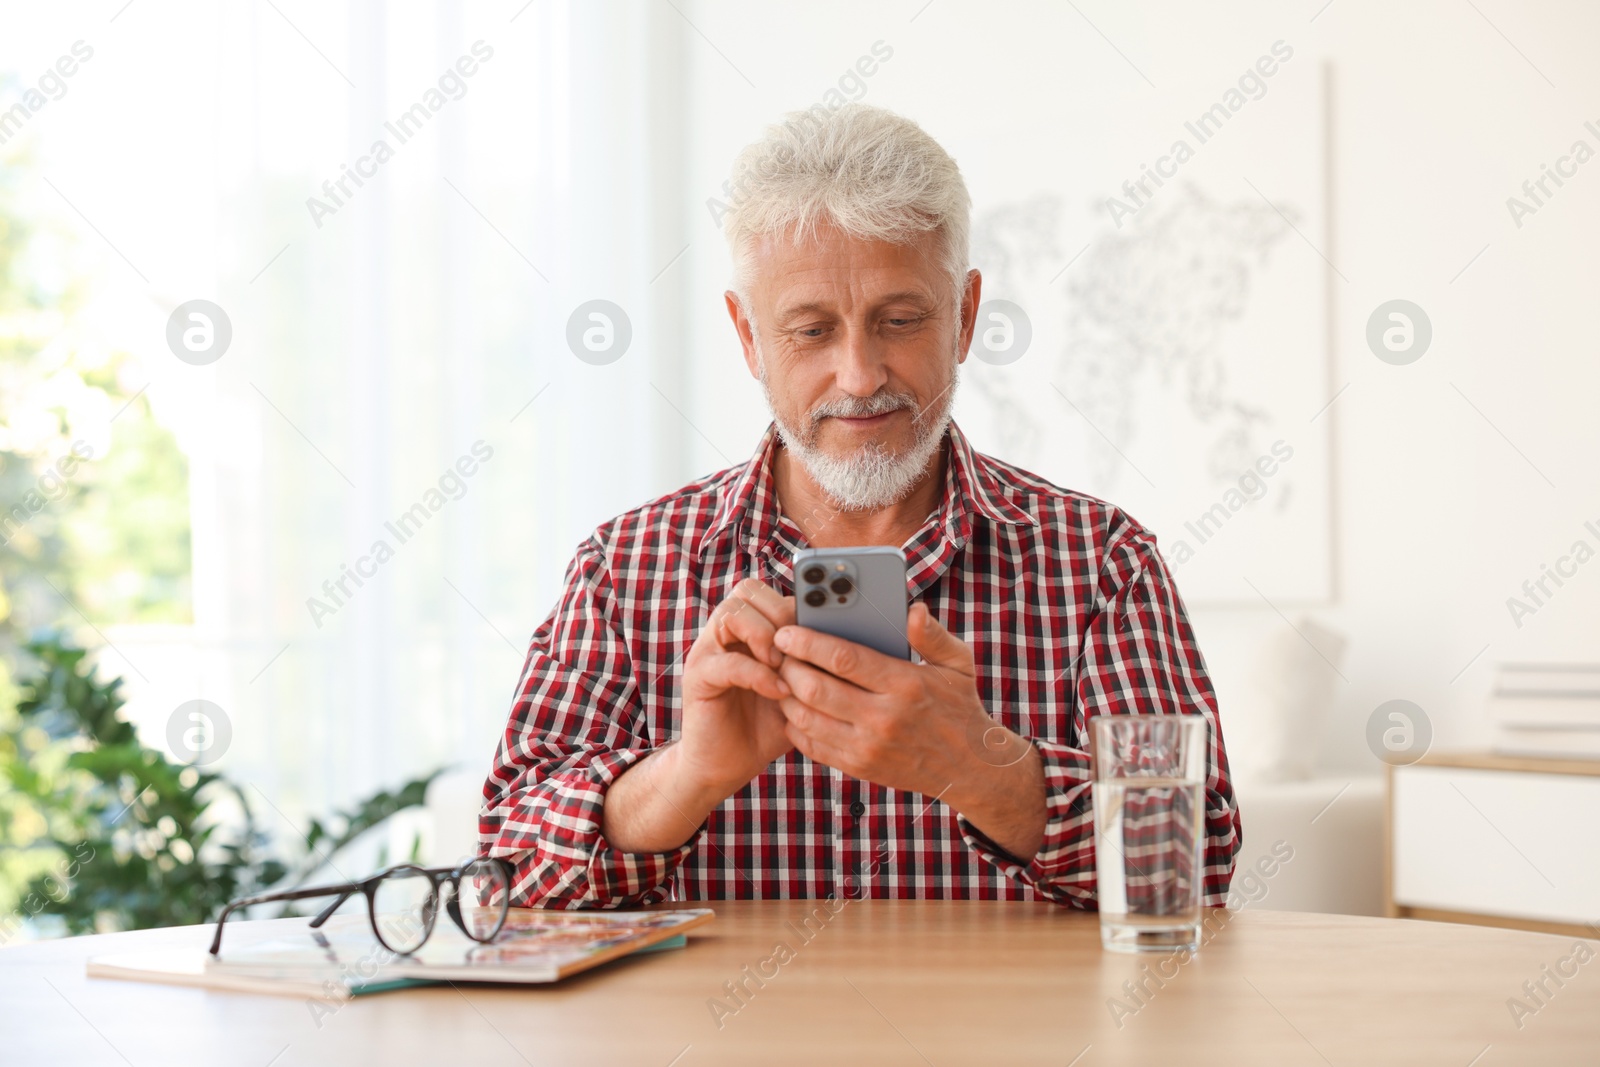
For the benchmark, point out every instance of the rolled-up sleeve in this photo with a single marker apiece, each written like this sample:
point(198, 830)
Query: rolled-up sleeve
point(576, 724)
point(1138, 657)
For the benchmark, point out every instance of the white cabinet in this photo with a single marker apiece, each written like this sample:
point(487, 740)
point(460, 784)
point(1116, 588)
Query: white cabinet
point(1499, 840)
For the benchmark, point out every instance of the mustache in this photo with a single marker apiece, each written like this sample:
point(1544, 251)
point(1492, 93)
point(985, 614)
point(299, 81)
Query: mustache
point(859, 407)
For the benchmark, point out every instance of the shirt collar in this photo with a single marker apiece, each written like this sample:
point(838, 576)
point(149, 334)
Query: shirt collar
point(972, 486)
point(750, 505)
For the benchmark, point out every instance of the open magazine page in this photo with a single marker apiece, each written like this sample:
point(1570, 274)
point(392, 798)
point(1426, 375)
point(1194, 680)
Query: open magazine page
point(534, 946)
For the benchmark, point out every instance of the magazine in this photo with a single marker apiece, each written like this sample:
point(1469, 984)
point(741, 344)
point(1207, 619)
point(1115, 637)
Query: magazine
point(343, 958)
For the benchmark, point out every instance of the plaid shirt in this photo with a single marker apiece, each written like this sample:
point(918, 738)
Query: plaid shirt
point(1063, 598)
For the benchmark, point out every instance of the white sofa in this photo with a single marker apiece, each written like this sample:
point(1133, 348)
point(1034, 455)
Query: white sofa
point(1334, 826)
point(452, 804)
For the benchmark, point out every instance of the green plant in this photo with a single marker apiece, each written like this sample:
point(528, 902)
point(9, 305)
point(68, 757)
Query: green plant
point(121, 837)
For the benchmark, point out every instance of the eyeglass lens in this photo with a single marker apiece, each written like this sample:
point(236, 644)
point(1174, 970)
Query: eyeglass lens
point(403, 909)
point(483, 895)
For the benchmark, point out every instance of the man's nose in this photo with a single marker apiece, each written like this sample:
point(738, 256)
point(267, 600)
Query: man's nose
point(859, 363)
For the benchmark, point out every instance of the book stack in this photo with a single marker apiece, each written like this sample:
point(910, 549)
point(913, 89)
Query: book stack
point(1549, 710)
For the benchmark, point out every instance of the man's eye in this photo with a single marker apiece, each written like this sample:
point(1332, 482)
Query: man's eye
point(813, 331)
point(897, 323)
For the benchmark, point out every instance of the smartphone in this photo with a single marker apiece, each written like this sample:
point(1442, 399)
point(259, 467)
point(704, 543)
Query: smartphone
point(858, 594)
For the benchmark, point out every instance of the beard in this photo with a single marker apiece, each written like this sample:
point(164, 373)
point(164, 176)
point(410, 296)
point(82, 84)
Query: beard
point(871, 476)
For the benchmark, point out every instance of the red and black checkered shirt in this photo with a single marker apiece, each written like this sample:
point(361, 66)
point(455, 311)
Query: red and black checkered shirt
point(1068, 608)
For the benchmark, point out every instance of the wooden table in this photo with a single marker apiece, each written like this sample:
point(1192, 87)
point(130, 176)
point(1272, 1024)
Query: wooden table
point(879, 982)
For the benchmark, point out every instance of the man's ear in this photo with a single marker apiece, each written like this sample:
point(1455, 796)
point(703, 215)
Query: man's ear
point(969, 312)
point(745, 329)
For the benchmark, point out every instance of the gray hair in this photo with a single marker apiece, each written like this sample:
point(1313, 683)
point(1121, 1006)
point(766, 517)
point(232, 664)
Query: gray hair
point(873, 174)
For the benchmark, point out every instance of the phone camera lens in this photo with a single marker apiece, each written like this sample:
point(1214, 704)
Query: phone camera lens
point(840, 585)
point(816, 597)
point(814, 574)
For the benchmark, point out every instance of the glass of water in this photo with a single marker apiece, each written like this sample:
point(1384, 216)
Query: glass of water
point(1149, 832)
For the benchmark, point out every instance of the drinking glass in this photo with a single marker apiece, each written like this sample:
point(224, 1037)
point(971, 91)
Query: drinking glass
point(1149, 808)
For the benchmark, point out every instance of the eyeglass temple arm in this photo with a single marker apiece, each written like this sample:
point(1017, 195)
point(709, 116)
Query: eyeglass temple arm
point(344, 891)
point(327, 913)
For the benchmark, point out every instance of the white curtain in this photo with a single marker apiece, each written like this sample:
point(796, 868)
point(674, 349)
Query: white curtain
point(421, 325)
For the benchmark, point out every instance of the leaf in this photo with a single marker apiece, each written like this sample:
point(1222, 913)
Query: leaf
point(96, 788)
point(367, 814)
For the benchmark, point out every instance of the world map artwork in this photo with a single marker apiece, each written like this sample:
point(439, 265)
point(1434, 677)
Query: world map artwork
point(1173, 365)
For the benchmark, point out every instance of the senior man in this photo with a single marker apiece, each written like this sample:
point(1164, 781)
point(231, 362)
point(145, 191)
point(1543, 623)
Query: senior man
point(675, 735)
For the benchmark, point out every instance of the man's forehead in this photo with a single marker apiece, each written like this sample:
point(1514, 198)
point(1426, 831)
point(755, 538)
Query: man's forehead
point(830, 269)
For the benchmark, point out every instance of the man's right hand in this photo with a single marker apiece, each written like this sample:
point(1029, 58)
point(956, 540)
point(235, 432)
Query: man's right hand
point(732, 727)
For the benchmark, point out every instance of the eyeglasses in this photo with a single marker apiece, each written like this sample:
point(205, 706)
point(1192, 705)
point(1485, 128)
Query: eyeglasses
point(403, 902)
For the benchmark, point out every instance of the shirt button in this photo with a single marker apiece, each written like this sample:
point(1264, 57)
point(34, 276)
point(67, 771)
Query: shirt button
point(858, 809)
